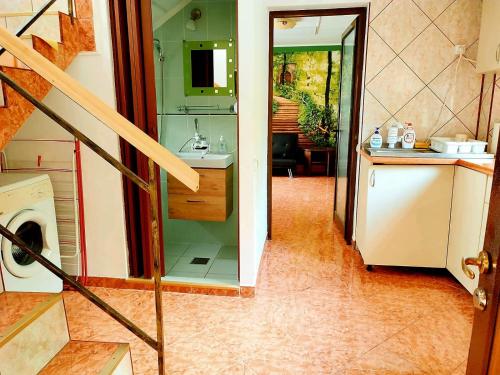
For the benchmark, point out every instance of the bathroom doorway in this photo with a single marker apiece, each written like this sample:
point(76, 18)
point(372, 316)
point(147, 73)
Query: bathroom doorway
point(316, 62)
point(195, 68)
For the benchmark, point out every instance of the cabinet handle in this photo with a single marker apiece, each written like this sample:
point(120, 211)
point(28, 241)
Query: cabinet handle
point(195, 201)
point(372, 179)
point(497, 55)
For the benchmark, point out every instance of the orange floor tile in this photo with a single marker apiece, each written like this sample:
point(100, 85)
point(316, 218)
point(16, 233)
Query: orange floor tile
point(316, 311)
point(15, 305)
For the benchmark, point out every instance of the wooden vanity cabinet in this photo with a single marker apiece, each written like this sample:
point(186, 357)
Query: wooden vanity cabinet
point(212, 202)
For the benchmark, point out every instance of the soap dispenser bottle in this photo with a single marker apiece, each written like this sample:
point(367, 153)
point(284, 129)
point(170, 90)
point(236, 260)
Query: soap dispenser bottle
point(222, 145)
point(409, 136)
point(376, 139)
point(392, 136)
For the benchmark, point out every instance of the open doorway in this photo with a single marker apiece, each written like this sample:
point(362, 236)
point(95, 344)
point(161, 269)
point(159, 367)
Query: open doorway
point(315, 86)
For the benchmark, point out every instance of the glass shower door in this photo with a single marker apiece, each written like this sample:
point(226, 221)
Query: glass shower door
point(345, 120)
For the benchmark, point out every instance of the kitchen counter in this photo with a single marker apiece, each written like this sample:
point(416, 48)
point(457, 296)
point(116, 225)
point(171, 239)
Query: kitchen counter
point(481, 165)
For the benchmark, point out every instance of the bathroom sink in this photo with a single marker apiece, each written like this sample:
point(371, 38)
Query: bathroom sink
point(200, 160)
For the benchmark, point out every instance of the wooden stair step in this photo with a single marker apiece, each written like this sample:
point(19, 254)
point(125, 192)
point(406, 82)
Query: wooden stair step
point(88, 357)
point(14, 109)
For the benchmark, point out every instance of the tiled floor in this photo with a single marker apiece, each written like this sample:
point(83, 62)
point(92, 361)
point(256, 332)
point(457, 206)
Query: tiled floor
point(316, 311)
point(221, 268)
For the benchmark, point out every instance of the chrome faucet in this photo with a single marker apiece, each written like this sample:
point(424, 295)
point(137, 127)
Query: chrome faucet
point(200, 142)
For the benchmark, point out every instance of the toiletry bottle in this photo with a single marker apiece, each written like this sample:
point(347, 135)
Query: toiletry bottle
point(222, 145)
point(409, 136)
point(376, 139)
point(392, 136)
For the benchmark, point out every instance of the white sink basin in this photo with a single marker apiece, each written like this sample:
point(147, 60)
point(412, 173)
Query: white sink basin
point(198, 160)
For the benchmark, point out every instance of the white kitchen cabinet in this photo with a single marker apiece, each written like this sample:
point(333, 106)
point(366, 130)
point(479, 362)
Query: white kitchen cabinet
point(469, 214)
point(467, 211)
point(488, 55)
point(403, 214)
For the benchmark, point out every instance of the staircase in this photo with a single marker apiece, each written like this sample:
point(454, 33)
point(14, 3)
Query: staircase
point(34, 335)
point(34, 339)
point(58, 38)
point(285, 120)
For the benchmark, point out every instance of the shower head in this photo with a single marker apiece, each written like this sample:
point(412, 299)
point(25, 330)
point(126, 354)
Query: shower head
point(159, 49)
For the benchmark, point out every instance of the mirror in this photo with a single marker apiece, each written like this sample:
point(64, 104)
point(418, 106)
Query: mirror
point(209, 68)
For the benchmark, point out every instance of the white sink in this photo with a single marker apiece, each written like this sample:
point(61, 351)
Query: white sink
point(199, 160)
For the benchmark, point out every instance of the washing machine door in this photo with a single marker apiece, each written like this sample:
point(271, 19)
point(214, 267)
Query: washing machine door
point(31, 227)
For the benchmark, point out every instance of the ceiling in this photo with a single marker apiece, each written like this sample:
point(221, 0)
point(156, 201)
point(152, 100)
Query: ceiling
point(163, 10)
point(330, 29)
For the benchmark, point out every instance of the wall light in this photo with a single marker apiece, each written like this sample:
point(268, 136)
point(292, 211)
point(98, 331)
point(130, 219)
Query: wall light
point(195, 15)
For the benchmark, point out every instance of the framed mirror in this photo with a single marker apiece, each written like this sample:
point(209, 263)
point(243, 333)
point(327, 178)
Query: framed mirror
point(209, 68)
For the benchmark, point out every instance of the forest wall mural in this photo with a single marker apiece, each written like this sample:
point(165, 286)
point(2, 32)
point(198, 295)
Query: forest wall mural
point(310, 79)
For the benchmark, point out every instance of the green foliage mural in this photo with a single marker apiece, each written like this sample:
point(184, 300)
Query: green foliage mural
point(311, 78)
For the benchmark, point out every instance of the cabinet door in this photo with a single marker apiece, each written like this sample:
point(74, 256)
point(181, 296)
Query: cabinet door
point(407, 215)
point(360, 231)
point(488, 56)
point(466, 221)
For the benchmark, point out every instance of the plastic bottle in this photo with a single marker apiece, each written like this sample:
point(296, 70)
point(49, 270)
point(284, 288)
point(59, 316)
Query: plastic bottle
point(392, 136)
point(376, 139)
point(222, 145)
point(409, 136)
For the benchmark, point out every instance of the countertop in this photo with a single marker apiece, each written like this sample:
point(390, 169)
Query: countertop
point(486, 166)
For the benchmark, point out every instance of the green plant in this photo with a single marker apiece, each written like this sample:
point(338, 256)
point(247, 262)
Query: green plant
point(317, 122)
point(276, 106)
point(286, 90)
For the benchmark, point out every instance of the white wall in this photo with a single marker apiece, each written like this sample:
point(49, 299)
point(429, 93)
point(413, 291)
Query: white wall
point(253, 31)
point(104, 211)
point(252, 58)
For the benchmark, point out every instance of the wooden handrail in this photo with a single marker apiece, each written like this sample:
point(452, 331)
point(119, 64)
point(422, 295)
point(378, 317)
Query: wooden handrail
point(100, 110)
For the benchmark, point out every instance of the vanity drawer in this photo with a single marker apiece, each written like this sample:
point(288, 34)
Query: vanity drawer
point(212, 182)
point(202, 208)
point(212, 202)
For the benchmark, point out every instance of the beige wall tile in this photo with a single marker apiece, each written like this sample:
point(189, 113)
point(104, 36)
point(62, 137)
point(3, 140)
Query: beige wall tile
point(399, 23)
point(10, 6)
point(453, 127)
point(460, 22)
point(429, 54)
point(47, 26)
point(395, 85)
point(471, 52)
point(379, 54)
point(461, 91)
point(421, 34)
point(374, 114)
point(376, 6)
point(433, 8)
point(60, 5)
point(426, 112)
point(468, 115)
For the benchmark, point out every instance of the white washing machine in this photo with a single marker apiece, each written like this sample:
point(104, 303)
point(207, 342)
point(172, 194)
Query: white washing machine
point(27, 209)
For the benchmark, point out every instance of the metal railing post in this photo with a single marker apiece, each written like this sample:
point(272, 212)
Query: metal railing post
point(155, 245)
point(71, 10)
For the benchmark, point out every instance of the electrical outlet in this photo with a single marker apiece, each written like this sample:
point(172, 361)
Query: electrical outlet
point(459, 49)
